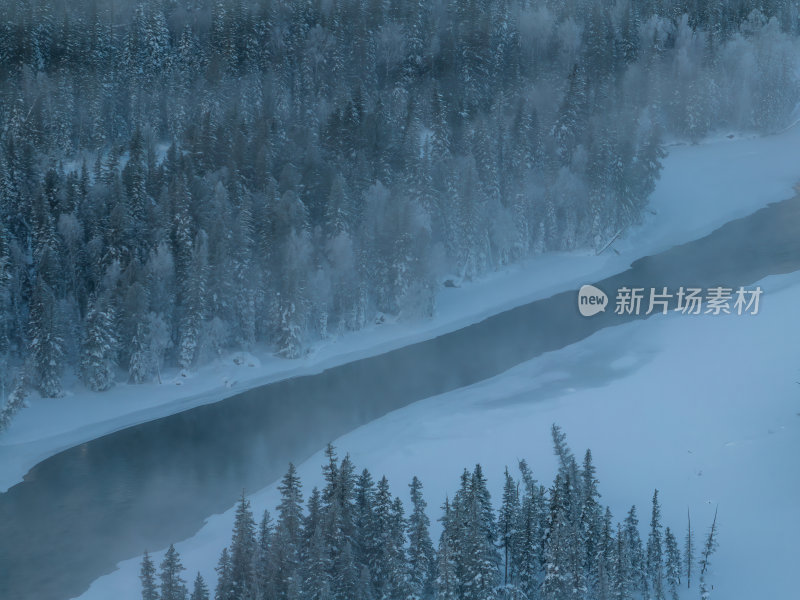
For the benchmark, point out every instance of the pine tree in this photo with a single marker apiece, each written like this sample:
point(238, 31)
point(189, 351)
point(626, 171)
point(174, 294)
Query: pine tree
point(673, 564)
point(264, 559)
point(140, 365)
point(147, 575)
point(601, 576)
point(200, 589)
point(14, 402)
point(421, 556)
point(621, 584)
point(688, 550)
point(364, 497)
point(528, 556)
point(508, 520)
point(172, 585)
point(99, 346)
point(224, 590)
point(655, 561)
point(288, 534)
point(556, 585)
point(636, 566)
point(243, 552)
point(194, 301)
point(447, 581)
point(705, 558)
point(316, 579)
point(46, 346)
point(590, 513)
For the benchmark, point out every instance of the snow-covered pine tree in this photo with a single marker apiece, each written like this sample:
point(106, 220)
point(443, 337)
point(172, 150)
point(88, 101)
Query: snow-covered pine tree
point(421, 555)
point(601, 577)
point(387, 561)
point(591, 520)
point(447, 580)
point(705, 558)
point(46, 345)
point(316, 582)
point(287, 542)
point(655, 552)
point(199, 589)
point(193, 301)
point(147, 575)
point(507, 523)
point(363, 507)
point(528, 548)
point(264, 565)
point(14, 402)
point(636, 566)
point(141, 362)
point(243, 552)
point(223, 590)
point(621, 583)
point(290, 333)
point(673, 563)
point(99, 347)
point(556, 584)
point(172, 585)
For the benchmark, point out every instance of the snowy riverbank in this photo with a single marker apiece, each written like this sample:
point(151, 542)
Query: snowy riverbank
point(701, 188)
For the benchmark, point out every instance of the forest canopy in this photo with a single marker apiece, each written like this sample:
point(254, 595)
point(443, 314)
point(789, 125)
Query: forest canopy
point(178, 177)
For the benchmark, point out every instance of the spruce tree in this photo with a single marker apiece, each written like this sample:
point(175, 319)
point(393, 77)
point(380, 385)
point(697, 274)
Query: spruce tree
point(673, 564)
point(264, 559)
point(421, 556)
point(147, 575)
point(705, 558)
point(46, 345)
point(243, 552)
point(507, 523)
point(224, 590)
point(655, 560)
point(172, 585)
point(200, 589)
point(99, 346)
point(288, 534)
point(447, 581)
point(636, 561)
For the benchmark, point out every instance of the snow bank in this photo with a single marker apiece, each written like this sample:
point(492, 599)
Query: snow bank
point(702, 187)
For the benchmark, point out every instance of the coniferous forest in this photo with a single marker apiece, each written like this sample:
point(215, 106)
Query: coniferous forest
point(182, 177)
point(353, 541)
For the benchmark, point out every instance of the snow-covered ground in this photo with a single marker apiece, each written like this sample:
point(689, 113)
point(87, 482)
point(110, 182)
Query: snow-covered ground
point(704, 408)
point(702, 187)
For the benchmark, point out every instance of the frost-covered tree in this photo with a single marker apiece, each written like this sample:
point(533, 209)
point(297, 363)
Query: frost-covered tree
point(243, 552)
point(709, 547)
point(421, 556)
point(655, 552)
point(172, 584)
point(147, 576)
point(673, 564)
point(99, 346)
point(199, 589)
point(688, 549)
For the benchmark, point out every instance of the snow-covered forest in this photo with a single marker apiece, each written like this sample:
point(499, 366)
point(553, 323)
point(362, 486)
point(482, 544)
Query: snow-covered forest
point(178, 177)
point(354, 542)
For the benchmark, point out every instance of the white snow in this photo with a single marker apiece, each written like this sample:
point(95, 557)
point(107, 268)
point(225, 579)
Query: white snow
point(704, 408)
point(701, 188)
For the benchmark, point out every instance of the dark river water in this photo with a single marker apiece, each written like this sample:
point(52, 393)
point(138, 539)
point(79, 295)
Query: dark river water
point(83, 510)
